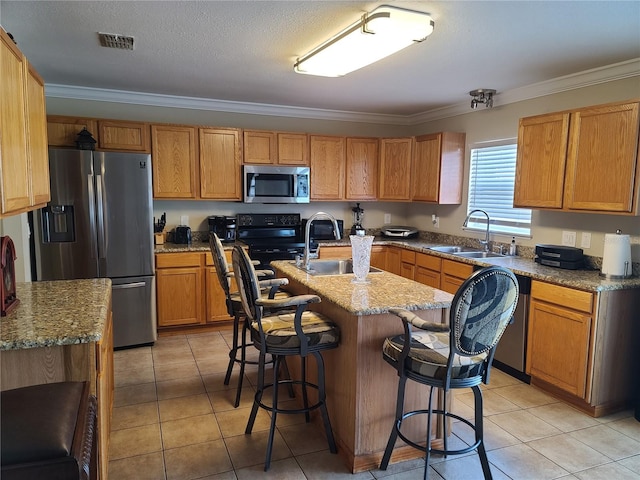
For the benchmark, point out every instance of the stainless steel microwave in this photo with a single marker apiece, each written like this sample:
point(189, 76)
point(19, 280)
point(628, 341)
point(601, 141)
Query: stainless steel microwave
point(275, 184)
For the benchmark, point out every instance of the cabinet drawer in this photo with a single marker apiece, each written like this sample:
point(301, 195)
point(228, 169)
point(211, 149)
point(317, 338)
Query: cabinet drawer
point(209, 259)
point(456, 269)
point(408, 256)
point(172, 260)
point(430, 262)
point(567, 297)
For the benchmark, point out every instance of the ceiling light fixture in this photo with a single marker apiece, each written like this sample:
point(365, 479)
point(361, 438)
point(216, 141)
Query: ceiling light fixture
point(482, 95)
point(380, 33)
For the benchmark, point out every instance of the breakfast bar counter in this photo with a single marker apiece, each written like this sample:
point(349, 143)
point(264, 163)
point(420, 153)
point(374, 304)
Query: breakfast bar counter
point(61, 331)
point(361, 386)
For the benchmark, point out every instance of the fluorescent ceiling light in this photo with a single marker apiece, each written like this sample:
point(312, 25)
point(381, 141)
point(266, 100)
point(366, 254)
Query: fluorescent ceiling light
point(383, 32)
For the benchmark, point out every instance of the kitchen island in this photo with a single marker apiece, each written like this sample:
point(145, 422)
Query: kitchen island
point(361, 386)
point(62, 331)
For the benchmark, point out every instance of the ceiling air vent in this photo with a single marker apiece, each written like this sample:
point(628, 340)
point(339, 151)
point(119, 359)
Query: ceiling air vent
point(114, 40)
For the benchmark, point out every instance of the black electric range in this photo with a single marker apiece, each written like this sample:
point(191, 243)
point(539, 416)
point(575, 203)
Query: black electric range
point(271, 237)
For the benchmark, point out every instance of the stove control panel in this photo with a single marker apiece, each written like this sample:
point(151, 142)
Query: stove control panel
point(268, 220)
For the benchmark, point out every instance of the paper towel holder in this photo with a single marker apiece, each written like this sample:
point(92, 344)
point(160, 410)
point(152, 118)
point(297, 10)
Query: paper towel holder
point(624, 269)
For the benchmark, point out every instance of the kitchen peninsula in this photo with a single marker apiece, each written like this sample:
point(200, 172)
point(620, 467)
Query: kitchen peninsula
point(360, 385)
point(62, 331)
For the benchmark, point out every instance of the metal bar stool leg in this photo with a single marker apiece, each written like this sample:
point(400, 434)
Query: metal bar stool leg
point(274, 413)
point(427, 456)
point(258, 397)
point(444, 419)
point(396, 424)
point(479, 429)
point(322, 396)
point(234, 349)
point(305, 397)
point(243, 360)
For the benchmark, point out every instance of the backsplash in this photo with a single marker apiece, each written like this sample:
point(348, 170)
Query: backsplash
point(591, 263)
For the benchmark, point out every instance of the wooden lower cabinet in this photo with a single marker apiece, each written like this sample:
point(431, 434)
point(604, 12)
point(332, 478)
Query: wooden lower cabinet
point(394, 260)
point(560, 321)
point(407, 263)
point(582, 346)
point(453, 275)
point(427, 270)
point(188, 291)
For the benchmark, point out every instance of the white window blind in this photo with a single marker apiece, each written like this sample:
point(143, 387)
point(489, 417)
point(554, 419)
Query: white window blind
point(491, 182)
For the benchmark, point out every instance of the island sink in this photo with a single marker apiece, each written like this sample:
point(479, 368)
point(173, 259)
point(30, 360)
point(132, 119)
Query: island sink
point(332, 267)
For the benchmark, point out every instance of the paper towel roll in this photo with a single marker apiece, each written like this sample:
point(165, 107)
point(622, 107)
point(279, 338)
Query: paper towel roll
point(616, 260)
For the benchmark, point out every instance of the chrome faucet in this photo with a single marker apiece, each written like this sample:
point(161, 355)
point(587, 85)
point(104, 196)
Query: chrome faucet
point(307, 250)
point(484, 242)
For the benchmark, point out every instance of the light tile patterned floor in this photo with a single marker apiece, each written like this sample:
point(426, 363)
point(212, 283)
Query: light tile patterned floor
point(174, 420)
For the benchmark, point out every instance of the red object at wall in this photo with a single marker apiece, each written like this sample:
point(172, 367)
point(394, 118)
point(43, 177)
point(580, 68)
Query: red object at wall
point(8, 285)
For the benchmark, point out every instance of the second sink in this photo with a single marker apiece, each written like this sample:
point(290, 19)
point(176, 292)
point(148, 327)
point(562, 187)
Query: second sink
point(478, 254)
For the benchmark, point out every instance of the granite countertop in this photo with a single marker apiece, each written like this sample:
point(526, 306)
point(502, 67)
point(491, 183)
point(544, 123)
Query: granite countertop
point(384, 291)
point(192, 247)
point(589, 280)
point(62, 312)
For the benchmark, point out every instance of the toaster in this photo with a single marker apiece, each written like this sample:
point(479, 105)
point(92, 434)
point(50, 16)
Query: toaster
point(182, 235)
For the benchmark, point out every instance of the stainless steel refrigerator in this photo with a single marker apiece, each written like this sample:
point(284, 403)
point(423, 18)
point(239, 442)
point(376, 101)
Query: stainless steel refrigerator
point(99, 223)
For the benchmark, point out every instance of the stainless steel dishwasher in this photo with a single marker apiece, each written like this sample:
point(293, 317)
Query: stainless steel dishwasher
point(511, 354)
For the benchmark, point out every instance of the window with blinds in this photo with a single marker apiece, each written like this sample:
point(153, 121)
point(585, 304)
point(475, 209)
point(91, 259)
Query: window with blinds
point(491, 182)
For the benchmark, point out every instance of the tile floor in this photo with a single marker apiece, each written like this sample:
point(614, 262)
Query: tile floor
point(174, 419)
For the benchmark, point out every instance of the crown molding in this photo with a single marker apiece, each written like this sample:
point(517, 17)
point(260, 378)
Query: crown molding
point(587, 78)
point(595, 76)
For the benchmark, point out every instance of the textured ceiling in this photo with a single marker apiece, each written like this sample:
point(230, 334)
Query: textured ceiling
point(243, 51)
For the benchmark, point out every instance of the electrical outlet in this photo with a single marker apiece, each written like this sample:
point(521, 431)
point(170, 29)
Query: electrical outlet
point(585, 240)
point(387, 218)
point(184, 220)
point(568, 238)
point(435, 220)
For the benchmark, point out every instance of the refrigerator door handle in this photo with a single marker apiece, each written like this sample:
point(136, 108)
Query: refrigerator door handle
point(129, 285)
point(92, 215)
point(102, 234)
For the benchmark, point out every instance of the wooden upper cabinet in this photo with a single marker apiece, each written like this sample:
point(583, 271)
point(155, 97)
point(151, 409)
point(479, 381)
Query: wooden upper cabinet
point(602, 163)
point(24, 160)
point(275, 148)
point(220, 163)
point(293, 149)
point(395, 169)
point(63, 131)
point(540, 166)
point(583, 160)
point(174, 157)
point(126, 136)
point(13, 140)
point(327, 160)
point(362, 168)
point(438, 165)
point(37, 139)
point(260, 147)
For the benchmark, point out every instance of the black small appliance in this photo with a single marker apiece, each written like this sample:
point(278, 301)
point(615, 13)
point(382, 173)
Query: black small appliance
point(182, 235)
point(559, 256)
point(224, 226)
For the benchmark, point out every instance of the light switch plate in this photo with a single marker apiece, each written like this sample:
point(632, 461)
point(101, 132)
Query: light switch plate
point(184, 220)
point(585, 240)
point(387, 218)
point(568, 238)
